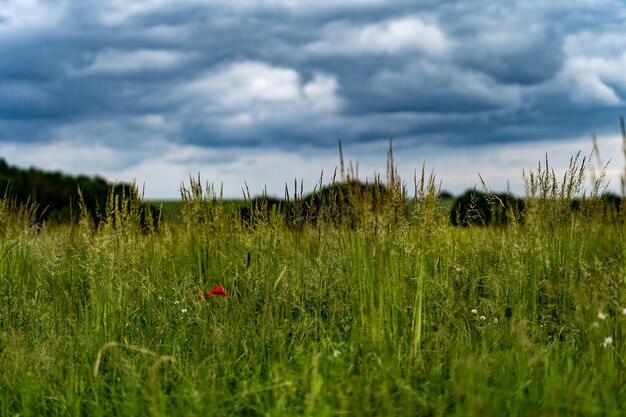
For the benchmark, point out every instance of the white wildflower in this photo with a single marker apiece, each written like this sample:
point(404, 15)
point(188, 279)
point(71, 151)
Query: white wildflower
point(624, 311)
point(595, 324)
point(601, 315)
point(176, 302)
point(495, 320)
point(483, 318)
point(474, 311)
point(607, 341)
point(336, 354)
point(184, 310)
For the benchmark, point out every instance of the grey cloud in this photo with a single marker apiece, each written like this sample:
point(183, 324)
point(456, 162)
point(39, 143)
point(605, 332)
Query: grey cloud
point(507, 40)
point(280, 74)
point(533, 63)
point(438, 87)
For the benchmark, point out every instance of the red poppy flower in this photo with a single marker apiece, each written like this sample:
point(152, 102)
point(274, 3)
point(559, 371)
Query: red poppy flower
point(218, 290)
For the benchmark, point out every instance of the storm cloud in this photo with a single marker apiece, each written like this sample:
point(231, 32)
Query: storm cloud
point(284, 77)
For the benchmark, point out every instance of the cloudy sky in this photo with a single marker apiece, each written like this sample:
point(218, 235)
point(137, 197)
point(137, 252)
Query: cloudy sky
point(261, 90)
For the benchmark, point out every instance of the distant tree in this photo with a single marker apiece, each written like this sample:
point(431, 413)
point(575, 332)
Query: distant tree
point(342, 202)
point(608, 205)
point(476, 208)
point(445, 195)
point(55, 194)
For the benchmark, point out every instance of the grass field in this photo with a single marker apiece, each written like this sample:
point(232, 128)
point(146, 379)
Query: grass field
point(396, 313)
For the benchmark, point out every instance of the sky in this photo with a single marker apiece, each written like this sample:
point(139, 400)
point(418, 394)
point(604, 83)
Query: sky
point(257, 93)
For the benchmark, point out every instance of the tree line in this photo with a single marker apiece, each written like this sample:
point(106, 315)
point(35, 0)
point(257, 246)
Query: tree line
point(54, 195)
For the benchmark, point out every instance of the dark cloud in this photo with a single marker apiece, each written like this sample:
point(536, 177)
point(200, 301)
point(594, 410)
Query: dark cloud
point(532, 64)
point(282, 74)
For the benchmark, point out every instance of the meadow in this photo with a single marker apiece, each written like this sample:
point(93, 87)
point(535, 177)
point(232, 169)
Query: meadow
point(379, 307)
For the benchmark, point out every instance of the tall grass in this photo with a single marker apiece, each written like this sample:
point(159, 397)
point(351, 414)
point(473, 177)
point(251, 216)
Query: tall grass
point(394, 313)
